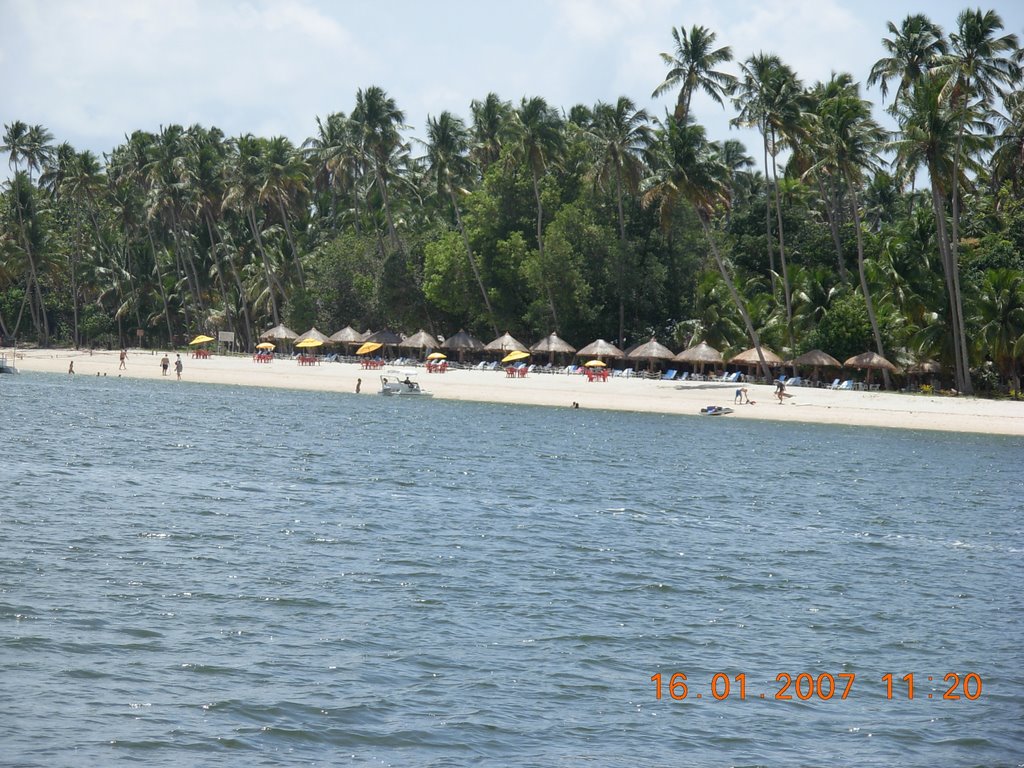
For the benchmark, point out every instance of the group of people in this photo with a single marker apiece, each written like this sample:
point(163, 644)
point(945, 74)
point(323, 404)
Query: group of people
point(743, 396)
point(165, 362)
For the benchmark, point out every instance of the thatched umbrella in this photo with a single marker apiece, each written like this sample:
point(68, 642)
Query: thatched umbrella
point(313, 333)
point(420, 340)
point(817, 359)
point(870, 361)
point(505, 344)
point(651, 351)
point(462, 343)
point(553, 345)
point(749, 358)
point(601, 349)
point(347, 336)
point(699, 354)
point(279, 333)
point(385, 337)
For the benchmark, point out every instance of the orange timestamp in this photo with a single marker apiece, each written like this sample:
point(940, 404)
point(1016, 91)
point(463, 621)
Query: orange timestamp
point(804, 686)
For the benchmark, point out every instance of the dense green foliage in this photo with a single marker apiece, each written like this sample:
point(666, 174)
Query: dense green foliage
point(598, 221)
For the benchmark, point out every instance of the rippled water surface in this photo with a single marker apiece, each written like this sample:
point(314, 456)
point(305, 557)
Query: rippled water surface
point(199, 575)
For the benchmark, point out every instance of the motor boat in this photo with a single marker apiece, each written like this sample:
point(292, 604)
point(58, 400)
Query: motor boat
point(402, 384)
point(715, 410)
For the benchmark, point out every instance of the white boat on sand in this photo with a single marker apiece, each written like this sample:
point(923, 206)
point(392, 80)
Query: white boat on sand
point(402, 384)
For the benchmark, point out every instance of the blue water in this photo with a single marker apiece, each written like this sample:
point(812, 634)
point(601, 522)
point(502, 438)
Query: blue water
point(194, 575)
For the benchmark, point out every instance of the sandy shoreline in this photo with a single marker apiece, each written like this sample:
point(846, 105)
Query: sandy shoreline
point(819, 406)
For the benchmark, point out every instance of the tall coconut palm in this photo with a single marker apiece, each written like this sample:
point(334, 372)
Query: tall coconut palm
point(243, 194)
point(539, 145)
point(848, 142)
point(978, 66)
point(623, 134)
point(284, 176)
point(692, 67)
point(1008, 157)
point(769, 97)
point(491, 126)
point(929, 135)
point(687, 170)
point(379, 120)
point(449, 165)
point(914, 48)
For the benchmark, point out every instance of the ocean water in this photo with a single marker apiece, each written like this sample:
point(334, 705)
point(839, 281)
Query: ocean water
point(194, 575)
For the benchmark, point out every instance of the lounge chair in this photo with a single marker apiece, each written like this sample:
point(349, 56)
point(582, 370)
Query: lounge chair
point(834, 384)
point(794, 381)
point(669, 375)
point(684, 376)
point(848, 384)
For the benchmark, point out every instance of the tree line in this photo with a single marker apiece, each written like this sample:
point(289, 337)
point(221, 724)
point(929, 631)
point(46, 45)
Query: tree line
point(593, 221)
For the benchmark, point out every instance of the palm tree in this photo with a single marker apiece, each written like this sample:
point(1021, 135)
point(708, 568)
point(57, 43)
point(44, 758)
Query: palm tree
point(491, 127)
point(689, 171)
point(978, 66)
point(378, 120)
point(914, 48)
point(16, 143)
point(1008, 157)
point(448, 163)
point(848, 141)
point(1001, 318)
point(284, 176)
point(539, 145)
point(769, 97)
point(623, 136)
point(930, 134)
point(243, 193)
point(692, 67)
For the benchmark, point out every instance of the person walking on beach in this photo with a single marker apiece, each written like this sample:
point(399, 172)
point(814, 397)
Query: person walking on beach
point(780, 390)
point(124, 356)
point(178, 366)
point(164, 363)
point(359, 384)
point(71, 367)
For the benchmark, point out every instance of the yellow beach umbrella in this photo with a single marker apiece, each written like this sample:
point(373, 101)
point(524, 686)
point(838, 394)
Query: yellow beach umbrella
point(511, 357)
point(200, 339)
point(368, 347)
point(265, 345)
point(309, 343)
point(437, 356)
point(595, 364)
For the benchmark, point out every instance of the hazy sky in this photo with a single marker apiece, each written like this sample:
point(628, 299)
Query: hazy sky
point(92, 71)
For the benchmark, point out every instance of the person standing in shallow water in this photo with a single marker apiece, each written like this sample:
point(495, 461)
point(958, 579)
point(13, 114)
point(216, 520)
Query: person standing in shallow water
point(178, 366)
point(164, 363)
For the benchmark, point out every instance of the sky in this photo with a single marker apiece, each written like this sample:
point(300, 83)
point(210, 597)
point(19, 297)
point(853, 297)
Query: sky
point(93, 71)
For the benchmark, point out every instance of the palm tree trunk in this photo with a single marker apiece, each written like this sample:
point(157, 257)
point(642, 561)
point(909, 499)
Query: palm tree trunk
point(540, 250)
point(782, 257)
point(160, 284)
point(831, 213)
point(864, 281)
point(266, 265)
point(962, 380)
point(768, 210)
point(472, 260)
point(291, 244)
point(622, 254)
point(755, 340)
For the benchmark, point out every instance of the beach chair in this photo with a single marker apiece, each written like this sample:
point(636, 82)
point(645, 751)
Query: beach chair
point(848, 384)
point(733, 377)
point(684, 376)
point(669, 375)
point(794, 381)
point(834, 384)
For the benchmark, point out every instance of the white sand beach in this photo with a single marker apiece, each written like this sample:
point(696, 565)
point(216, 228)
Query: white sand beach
point(808, 405)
